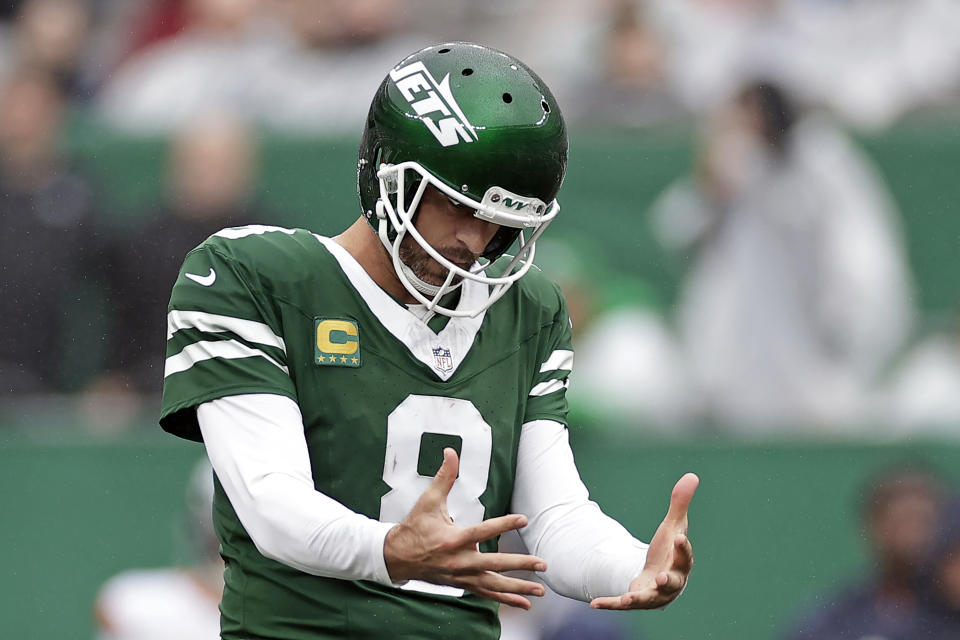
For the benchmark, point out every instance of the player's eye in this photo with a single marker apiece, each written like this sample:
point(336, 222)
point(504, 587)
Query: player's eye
point(462, 208)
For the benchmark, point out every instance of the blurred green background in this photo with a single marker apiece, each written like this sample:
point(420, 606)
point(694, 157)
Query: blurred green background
point(774, 523)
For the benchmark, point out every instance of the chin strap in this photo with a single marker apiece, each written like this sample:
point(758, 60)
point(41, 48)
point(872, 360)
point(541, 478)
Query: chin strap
point(425, 288)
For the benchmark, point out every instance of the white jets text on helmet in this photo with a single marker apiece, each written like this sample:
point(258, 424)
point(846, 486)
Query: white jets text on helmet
point(429, 97)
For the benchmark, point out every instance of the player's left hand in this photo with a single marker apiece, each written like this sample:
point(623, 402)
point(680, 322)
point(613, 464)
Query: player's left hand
point(669, 558)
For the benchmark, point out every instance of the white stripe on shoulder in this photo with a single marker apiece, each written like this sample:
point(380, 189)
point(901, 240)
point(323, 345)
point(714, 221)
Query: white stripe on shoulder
point(559, 359)
point(201, 351)
point(234, 233)
point(249, 330)
point(548, 387)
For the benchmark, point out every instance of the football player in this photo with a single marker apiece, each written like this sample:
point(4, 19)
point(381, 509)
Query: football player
point(172, 602)
point(381, 405)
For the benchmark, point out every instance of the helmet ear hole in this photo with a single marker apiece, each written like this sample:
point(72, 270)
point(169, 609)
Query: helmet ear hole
point(467, 72)
point(507, 98)
point(368, 185)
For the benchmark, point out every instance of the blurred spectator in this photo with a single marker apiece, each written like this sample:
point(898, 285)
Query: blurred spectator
point(47, 245)
point(629, 371)
point(555, 37)
point(212, 184)
point(629, 85)
point(798, 292)
point(212, 66)
point(923, 392)
point(621, 61)
point(158, 20)
point(8, 8)
point(870, 61)
point(309, 65)
point(943, 574)
point(322, 24)
point(324, 80)
point(710, 46)
point(181, 602)
point(900, 512)
point(51, 36)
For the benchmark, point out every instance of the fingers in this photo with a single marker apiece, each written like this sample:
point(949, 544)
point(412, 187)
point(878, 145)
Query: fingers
point(493, 527)
point(474, 562)
point(510, 599)
point(434, 497)
point(644, 598)
point(632, 600)
point(479, 573)
point(655, 590)
point(610, 602)
point(683, 554)
point(503, 589)
point(670, 582)
point(446, 474)
point(499, 583)
point(680, 499)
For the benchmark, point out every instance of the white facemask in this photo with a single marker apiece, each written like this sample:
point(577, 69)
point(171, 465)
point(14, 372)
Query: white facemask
point(498, 206)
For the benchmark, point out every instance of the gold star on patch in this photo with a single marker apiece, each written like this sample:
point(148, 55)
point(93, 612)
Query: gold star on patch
point(343, 359)
point(354, 360)
point(321, 359)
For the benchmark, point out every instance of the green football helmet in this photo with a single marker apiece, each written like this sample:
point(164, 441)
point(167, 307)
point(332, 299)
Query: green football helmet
point(483, 129)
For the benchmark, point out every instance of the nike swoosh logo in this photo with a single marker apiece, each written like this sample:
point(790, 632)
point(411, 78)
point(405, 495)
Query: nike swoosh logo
point(206, 280)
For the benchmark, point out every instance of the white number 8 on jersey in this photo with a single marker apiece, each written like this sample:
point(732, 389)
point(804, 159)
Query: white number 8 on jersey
point(406, 425)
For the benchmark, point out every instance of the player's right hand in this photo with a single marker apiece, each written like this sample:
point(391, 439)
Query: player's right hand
point(428, 546)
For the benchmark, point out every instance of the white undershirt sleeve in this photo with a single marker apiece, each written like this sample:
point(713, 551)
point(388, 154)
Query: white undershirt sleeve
point(588, 553)
point(257, 447)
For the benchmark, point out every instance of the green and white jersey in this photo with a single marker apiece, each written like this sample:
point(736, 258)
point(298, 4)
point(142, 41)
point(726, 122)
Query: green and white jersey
point(269, 310)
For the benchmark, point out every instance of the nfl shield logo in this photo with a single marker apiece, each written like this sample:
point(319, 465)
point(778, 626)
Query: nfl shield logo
point(443, 361)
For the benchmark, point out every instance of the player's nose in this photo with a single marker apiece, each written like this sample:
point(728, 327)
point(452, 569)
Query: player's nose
point(475, 234)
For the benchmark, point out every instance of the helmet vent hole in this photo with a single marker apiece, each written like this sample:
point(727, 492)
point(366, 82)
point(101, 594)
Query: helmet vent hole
point(546, 107)
point(467, 72)
point(507, 98)
point(444, 51)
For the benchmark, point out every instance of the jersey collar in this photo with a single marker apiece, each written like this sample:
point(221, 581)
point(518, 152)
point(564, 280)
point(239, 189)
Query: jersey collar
point(426, 346)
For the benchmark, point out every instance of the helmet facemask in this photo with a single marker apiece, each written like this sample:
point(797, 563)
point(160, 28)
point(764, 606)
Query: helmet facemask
point(401, 188)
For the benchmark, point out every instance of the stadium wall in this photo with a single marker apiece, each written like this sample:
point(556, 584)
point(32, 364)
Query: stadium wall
point(774, 524)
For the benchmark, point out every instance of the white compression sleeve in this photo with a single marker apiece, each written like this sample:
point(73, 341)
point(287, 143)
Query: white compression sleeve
point(588, 553)
point(257, 448)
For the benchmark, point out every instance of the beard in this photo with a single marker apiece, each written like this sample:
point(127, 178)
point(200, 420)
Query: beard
point(428, 269)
